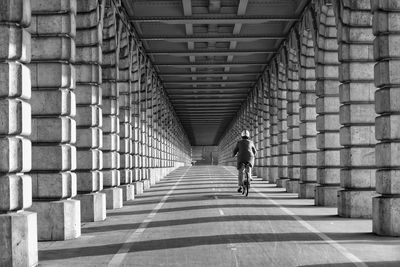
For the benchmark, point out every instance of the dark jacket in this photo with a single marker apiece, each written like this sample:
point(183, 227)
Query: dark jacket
point(245, 151)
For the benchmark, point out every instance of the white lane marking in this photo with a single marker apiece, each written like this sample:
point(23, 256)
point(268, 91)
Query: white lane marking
point(125, 248)
point(221, 212)
point(353, 258)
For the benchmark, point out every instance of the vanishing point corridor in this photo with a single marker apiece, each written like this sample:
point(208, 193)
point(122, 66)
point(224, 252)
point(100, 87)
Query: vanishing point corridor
point(195, 217)
point(119, 119)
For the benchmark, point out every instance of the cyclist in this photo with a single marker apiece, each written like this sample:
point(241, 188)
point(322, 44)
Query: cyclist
point(245, 151)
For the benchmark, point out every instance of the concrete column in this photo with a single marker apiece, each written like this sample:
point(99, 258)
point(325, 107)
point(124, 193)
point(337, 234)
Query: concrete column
point(273, 122)
point(53, 124)
point(357, 113)
point(18, 237)
point(125, 118)
point(155, 135)
point(266, 120)
point(385, 209)
point(110, 76)
point(293, 121)
point(149, 118)
point(89, 112)
point(137, 69)
point(156, 131)
point(308, 158)
point(327, 91)
point(282, 122)
point(260, 130)
point(145, 84)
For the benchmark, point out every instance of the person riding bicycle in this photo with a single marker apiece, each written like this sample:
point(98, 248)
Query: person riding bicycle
point(245, 151)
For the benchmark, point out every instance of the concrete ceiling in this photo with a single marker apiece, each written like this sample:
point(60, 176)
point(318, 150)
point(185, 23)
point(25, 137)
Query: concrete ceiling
point(210, 53)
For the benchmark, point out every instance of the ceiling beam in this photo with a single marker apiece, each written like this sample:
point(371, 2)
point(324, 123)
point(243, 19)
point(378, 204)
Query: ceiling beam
point(215, 38)
point(206, 96)
point(213, 19)
point(206, 82)
point(202, 109)
point(210, 64)
point(206, 52)
point(213, 74)
point(207, 101)
point(206, 105)
point(222, 89)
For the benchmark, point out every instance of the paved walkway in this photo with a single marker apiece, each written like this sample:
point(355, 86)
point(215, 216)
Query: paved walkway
point(194, 217)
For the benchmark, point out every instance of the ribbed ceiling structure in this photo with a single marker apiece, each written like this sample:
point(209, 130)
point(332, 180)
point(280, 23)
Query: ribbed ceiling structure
point(210, 53)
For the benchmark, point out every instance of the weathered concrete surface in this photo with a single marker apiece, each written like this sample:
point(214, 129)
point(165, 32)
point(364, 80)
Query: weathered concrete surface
point(204, 222)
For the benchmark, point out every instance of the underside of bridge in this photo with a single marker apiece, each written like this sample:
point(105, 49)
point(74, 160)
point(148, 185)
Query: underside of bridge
point(210, 54)
point(100, 99)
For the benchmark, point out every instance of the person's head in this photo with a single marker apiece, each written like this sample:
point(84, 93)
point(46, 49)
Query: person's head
point(245, 134)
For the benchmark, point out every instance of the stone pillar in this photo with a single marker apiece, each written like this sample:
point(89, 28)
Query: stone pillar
point(386, 211)
point(125, 118)
point(156, 131)
point(143, 122)
point(137, 69)
point(293, 121)
point(282, 123)
point(18, 237)
point(327, 91)
point(53, 124)
point(110, 75)
point(149, 118)
point(88, 111)
point(308, 158)
point(260, 130)
point(273, 122)
point(357, 113)
point(266, 120)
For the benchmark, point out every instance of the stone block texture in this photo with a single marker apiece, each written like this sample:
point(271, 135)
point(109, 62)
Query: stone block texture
point(111, 34)
point(273, 124)
point(293, 119)
point(54, 103)
point(385, 209)
point(18, 234)
point(327, 108)
point(282, 103)
point(89, 120)
point(307, 115)
point(356, 94)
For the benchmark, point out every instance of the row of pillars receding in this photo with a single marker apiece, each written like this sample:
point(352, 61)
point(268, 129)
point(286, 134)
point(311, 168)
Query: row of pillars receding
point(325, 115)
point(84, 121)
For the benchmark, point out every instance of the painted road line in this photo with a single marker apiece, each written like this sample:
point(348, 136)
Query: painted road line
point(354, 259)
point(125, 248)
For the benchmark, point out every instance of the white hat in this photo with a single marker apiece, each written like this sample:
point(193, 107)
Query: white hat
point(245, 133)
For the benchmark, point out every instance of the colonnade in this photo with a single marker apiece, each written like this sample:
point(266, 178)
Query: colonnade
point(327, 112)
point(84, 121)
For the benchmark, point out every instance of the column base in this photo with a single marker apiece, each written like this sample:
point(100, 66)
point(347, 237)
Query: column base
point(138, 187)
point(18, 241)
point(293, 186)
point(146, 184)
point(355, 204)
point(326, 196)
point(128, 192)
point(113, 198)
point(307, 190)
point(386, 216)
point(282, 182)
point(265, 174)
point(58, 220)
point(273, 174)
point(153, 176)
point(93, 207)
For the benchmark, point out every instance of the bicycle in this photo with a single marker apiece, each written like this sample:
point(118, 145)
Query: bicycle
point(246, 179)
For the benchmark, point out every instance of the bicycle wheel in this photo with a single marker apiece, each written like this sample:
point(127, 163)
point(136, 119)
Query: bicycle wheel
point(247, 184)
